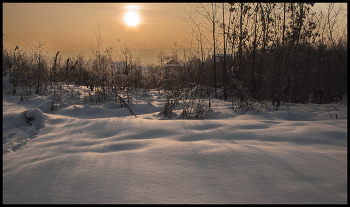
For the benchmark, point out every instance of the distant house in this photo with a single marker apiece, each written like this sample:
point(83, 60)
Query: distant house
point(172, 64)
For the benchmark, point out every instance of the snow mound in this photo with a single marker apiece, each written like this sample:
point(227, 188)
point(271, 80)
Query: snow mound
point(92, 112)
point(46, 107)
point(147, 108)
point(20, 128)
point(111, 105)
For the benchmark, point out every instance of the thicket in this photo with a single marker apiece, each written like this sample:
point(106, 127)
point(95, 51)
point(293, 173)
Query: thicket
point(279, 52)
point(250, 52)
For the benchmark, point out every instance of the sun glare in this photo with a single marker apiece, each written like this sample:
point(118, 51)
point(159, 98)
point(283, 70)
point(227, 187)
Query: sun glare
point(131, 18)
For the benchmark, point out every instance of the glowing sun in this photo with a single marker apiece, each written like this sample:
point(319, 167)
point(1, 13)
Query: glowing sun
point(131, 18)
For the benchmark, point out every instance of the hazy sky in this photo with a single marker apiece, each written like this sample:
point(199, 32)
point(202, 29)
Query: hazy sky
point(70, 26)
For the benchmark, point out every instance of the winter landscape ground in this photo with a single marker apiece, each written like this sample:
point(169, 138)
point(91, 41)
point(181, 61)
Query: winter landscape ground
point(100, 153)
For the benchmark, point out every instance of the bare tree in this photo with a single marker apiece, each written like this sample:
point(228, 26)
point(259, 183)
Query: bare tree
point(160, 57)
point(211, 13)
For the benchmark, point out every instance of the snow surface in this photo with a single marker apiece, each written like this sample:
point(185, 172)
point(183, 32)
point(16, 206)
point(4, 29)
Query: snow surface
point(100, 153)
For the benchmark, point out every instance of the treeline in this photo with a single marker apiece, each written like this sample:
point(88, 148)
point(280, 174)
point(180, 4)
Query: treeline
point(278, 52)
point(35, 71)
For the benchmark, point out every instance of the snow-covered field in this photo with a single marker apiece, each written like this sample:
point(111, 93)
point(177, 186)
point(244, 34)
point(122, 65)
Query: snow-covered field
point(100, 153)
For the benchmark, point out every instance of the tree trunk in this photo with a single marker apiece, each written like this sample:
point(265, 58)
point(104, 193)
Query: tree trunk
point(224, 69)
point(300, 22)
point(214, 53)
point(240, 50)
point(254, 48)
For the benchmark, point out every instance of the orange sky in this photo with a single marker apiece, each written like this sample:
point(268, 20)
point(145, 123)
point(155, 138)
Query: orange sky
point(70, 26)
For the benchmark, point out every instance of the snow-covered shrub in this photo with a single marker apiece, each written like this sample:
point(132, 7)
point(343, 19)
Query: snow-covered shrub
point(199, 110)
point(171, 101)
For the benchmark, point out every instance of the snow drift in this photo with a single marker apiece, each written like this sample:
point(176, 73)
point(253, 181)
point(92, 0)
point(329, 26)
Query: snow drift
point(100, 153)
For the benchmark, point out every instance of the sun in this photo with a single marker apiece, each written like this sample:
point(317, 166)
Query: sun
point(131, 18)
